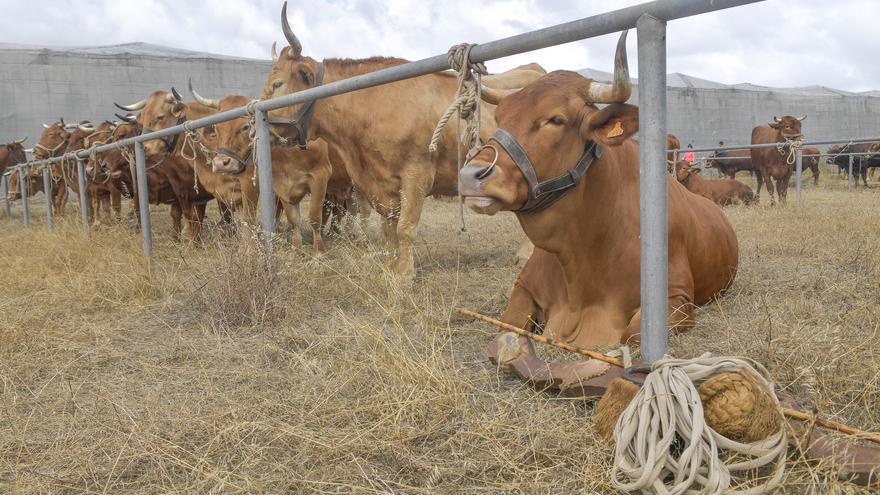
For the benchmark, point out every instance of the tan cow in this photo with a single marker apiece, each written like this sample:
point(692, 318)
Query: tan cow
point(380, 135)
point(582, 281)
point(721, 191)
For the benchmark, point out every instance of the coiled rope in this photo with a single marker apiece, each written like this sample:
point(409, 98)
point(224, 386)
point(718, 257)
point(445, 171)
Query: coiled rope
point(190, 148)
point(793, 146)
point(466, 103)
point(664, 446)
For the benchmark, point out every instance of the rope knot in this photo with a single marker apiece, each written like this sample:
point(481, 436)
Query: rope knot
point(467, 98)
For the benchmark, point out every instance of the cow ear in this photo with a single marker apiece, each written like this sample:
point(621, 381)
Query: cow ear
point(612, 125)
point(179, 109)
point(773, 125)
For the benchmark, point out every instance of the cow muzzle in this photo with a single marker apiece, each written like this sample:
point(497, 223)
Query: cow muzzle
point(471, 180)
point(226, 165)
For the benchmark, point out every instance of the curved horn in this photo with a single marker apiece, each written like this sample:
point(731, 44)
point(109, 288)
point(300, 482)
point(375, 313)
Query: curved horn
point(134, 107)
point(29, 150)
point(86, 128)
point(19, 141)
point(176, 94)
point(46, 126)
point(208, 102)
point(494, 96)
point(801, 118)
point(61, 119)
point(295, 46)
point(131, 119)
point(620, 89)
point(775, 119)
point(274, 52)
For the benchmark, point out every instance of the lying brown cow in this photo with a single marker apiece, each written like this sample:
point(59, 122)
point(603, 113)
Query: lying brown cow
point(722, 191)
point(582, 282)
point(776, 162)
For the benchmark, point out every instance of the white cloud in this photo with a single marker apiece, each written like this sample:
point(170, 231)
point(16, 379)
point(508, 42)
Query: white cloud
point(771, 43)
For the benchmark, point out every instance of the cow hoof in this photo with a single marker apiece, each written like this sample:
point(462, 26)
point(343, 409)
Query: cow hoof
point(504, 349)
point(574, 376)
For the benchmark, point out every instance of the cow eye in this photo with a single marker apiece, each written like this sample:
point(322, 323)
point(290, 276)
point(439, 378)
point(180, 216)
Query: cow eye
point(556, 120)
point(160, 118)
point(277, 84)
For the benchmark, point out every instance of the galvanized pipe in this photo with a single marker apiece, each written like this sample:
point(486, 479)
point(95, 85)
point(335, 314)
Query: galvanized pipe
point(263, 153)
point(771, 145)
point(47, 191)
point(798, 181)
point(83, 195)
point(143, 193)
point(4, 181)
point(850, 180)
point(24, 186)
point(653, 188)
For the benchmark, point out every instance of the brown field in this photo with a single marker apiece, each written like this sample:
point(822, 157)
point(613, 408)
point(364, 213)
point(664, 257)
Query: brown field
point(212, 372)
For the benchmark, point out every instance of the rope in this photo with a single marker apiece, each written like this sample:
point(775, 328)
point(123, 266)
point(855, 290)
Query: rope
point(251, 110)
point(667, 414)
point(193, 142)
point(793, 146)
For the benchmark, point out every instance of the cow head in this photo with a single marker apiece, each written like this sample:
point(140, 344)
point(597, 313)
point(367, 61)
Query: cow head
point(13, 191)
point(684, 171)
point(234, 139)
point(159, 111)
point(291, 72)
point(788, 127)
point(76, 139)
point(553, 120)
point(12, 153)
point(53, 139)
point(115, 162)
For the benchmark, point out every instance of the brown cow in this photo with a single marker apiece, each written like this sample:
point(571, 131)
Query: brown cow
point(52, 143)
point(583, 279)
point(729, 162)
point(776, 162)
point(380, 134)
point(672, 144)
point(100, 191)
point(811, 162)
point(840, 156)
point(12, 154)
point(295, 172)
point(34, 183)
point(171, 168)
point(722, 191)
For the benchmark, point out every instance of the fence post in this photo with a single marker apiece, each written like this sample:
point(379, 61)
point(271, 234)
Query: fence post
point(653, 188)
point(47, 190)
point(4, 181)
point(83, 195)
point(23, 173)
point(264, 169)
point(799, 168)
point(849, 180)
point(143, 193)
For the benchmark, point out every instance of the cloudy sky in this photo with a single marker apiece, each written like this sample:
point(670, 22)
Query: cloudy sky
point(774, 43)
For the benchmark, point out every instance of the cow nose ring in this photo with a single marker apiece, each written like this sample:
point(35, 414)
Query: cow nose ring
point(488, 170)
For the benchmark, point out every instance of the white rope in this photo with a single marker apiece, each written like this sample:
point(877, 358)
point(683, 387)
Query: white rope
point(467, 97)
point(667, 413)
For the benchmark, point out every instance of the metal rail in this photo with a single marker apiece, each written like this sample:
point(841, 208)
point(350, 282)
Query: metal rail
point(771, 145)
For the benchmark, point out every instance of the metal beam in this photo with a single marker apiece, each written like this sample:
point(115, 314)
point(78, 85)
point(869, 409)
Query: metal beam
point(47, 191)
point(83, 195)
point(850, 179)
point(798, 180)
point(653, 188)
point(24, 186)
point(143, 194)
point(263, 153)
point(7, 205)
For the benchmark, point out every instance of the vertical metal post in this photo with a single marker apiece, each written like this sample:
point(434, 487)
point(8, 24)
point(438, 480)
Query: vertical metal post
point(47, 191)
point(850, 181)
point(653, 188)
point(4, 181)
point(23, 173)
point(264, 169)
point(83, 196)
point(799, 169)
point(143, 193)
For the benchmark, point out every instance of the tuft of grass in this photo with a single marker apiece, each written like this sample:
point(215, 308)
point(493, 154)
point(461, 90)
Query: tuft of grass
point(213, 370)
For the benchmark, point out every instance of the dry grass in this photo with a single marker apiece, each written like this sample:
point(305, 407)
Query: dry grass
point(210, 372)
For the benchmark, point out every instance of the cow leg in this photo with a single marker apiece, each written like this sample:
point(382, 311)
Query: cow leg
point(291, 211)
point(116, 204)
point(104, 201)
point(863, 172)
point(760, 178)
point(318, 191)
point(782, 188)
point(176, 221)
point(94, 207)
point(768, 182)
point(415, 186)
point(196, 220)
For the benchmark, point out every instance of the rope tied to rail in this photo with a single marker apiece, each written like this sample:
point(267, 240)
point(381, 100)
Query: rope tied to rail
point(793, 146)
point(664, 443)
point(190, 148)
point(251, 110)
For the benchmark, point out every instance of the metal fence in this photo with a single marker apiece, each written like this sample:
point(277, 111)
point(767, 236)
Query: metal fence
point(649, 19)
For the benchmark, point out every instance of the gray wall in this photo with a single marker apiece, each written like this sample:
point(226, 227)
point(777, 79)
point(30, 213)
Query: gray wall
point(41, 85)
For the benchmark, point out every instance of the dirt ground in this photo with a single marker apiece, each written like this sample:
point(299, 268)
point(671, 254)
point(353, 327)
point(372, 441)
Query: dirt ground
point(210, 371)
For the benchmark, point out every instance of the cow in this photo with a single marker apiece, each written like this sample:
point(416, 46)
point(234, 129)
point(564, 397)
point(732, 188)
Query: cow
point(721, 191)
point(380, 134)
point(53, 143)
point(34, 182)
point(672, 144)
point(861, 163)
point(729, 162)
point(172, 170)
point(100, 191)
point(776, 162)
point(582, 281)
point(12, 154)
point(295, 172)
point(811, 161)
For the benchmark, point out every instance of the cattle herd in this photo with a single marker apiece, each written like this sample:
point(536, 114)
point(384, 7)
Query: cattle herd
point(568, 170)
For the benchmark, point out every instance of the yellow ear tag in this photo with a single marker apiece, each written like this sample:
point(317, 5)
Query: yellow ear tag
point(615, 131)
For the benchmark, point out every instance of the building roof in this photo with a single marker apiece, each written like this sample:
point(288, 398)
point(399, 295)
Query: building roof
point(131, 49)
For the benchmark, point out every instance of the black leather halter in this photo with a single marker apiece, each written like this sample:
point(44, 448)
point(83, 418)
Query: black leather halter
point(170, 141)
point(303, 117)
point(545, 193)
point(243, 160)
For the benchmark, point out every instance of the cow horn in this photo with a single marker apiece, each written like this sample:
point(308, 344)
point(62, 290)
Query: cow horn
point(29, 150)
point(86, 128)
point(131, 119)
point(494, 96)
point(61, 119)
point(134, 107)
point(620, 89)
point(775, 119)
point(295, 46)
point(46, 126)
point(176, 94)
point(19, 141)
point(208, 102)
point(801, 118)
point(274, 52)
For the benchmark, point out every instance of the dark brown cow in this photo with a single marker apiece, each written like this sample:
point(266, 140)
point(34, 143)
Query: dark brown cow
point(811, 162)
point(34, 183)
point(582, 281)
point(721, 191)
point(380, 135)
point(776, 163)
point(12, 154)
point(861, 163)
point(52, 143)
point(672, 143)
point(730, 162)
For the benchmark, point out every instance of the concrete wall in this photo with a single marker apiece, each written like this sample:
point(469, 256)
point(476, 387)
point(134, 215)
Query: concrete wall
point(41, 85)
